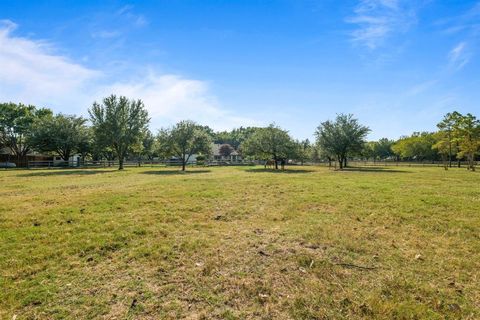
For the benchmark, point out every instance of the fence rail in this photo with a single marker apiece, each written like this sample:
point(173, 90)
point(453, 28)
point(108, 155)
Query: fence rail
point(106, 163)
point(166, 163)
point(388, 163)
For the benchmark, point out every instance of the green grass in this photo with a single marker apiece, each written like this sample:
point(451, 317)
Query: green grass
point(240, 243)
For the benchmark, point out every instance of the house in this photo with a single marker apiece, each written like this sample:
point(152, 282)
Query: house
point(73, 161)
point(215, 155)
point(6, 155)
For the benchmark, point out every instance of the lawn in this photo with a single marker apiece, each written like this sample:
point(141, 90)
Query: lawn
point(240, 243)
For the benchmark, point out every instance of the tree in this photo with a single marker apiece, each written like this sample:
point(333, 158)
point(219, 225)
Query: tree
point(341, 138)
point(443, 146)
point(447, 139)
point(418, 146)
point(149, 144)
point(468, 134)
point(85, 143)
point(16, 124)
point(236, 137)
point(61, 134)
point(271, 142)
point(119, 123)
point(378, 150)
point(183, 140)
point(303, 150)
point(225, 150)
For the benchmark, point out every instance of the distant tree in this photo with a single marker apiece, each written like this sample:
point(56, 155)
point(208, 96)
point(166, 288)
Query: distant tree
point(418, 146)
point(323, 154)
point(61, 134)
point(225, 150)
point(149, 145)
point(183, 140)
point(16, 125)
point(235, 138)
point(368, 150)
point(443, 146)
point(468, 135)
point(303, 150)
point(271, 142)
point(315, 154)
point(341, 138)
point(378, 150)
point(383, 148)
point(119, 123)
point(85, 144)
point(447, 137)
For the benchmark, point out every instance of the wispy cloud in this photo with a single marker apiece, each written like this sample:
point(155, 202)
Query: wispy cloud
point(465, 22)
point(105, 34)
point(377, 20)
point(127, 11)
point(459, 56)
point(31, 72)
point(420, 88)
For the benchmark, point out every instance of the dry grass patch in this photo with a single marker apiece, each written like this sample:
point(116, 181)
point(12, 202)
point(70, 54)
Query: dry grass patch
point(240, 243)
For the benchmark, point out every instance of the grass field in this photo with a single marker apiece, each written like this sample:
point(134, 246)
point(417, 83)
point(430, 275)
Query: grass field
point(240, 243)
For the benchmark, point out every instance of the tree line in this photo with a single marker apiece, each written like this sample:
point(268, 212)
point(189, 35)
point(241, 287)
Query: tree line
point(117, 129)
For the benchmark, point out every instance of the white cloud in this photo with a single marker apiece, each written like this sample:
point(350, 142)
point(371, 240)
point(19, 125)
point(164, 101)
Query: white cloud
point(32, 73)
point(377, 20)
point(171, 98)
point(459, 56)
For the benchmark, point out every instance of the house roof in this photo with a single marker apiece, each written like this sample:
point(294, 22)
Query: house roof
point(216, 150)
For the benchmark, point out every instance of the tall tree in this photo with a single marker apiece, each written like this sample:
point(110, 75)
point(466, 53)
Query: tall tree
point(16, 125)
point(119, 123)
point(447, 140)
point(183, 140)
point(61, 134)
point(271, 142)
point(342, 138)
point(443, 146)
point(468, 128)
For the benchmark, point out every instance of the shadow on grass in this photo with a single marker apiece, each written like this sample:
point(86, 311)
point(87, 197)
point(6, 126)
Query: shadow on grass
point(174, 172)
point(287, 170)
point(64, 172)
point(371, 169)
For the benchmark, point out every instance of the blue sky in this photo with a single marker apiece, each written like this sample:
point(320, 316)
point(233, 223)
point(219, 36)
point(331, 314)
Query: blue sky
point(398, 66)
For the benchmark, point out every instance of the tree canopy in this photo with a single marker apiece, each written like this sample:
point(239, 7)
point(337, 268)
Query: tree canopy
point(270, 142)
point(61, 134)
point(341, 138)
point(119, 123)
point(183, 140)
point(418, 146)
point(16, 125)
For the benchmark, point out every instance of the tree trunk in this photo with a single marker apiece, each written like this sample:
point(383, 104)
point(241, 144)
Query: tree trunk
point(120, 163)
point(276, 164)
point(183, 164)
point(345, 162)
point(450, 154)
point(340, 162)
